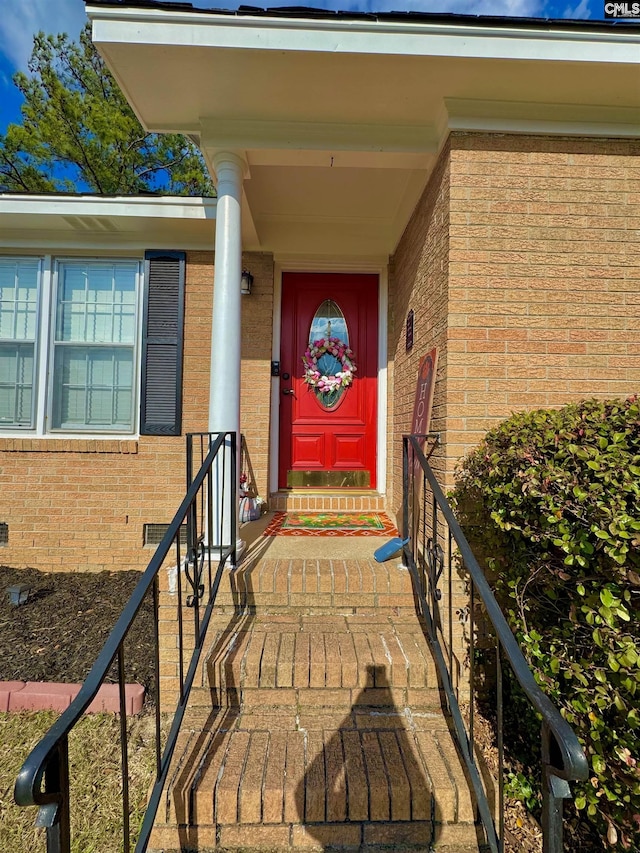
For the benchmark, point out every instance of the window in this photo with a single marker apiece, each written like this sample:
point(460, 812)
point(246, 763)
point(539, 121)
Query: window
point(76, 373)
point(94, 346)
point(79, 349)
point(329, 327)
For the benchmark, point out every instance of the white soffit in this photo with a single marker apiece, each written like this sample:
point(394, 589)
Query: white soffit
point(356, 110)
point(95, 222)
point(181, 88)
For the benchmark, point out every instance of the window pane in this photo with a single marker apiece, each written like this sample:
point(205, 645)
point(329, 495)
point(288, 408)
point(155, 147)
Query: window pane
point(74, 282)
point(28, 274)
point(99, 323)
point(124, 297)
point(71, 303)
point(97, 302)
point(25, 323)
point(6, 319)
point(18, 328)
point(93, 387)
point(125, 284)
point(100, 284)
point(98, 406)
point(16, 384)
point(328, 326)
point(18, 299)
point(124, 324)
point(328, 322)
point(122, 403)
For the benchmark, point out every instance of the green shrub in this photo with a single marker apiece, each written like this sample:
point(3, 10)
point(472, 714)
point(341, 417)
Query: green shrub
point(551, 504)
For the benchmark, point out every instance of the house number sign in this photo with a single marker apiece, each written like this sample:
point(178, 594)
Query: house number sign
point(409, 331)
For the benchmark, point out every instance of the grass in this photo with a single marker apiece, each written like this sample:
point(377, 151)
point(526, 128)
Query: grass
point(96, 797)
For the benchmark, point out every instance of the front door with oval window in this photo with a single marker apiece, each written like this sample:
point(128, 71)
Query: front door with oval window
point(328, 380)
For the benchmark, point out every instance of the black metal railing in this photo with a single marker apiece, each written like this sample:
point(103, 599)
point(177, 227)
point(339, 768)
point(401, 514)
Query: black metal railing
point(198, 543)
point(436, 550)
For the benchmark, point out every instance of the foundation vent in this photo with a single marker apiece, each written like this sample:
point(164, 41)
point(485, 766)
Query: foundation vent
point(4, 533)
point(152, 534)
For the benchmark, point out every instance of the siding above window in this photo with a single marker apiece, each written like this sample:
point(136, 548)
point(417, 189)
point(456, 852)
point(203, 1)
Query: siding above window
point(162, 343)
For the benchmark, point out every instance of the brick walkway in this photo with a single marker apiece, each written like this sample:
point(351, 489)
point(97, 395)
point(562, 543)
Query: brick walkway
point(318, 721)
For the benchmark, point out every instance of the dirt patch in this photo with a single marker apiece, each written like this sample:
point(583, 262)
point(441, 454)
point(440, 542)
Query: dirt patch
point(522, 831)
point(58, 633)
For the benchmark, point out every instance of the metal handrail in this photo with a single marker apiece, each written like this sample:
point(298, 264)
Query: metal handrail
point(48, 760)
point(563, 757)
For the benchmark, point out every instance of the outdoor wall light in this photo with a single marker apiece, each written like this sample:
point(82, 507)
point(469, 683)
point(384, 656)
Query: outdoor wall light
point(246, 282)
point(19, 594)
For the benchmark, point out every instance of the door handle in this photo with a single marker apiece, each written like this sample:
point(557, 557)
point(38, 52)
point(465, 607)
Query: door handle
point(288, 391)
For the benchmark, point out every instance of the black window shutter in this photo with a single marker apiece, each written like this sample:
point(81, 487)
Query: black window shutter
point(162, 343)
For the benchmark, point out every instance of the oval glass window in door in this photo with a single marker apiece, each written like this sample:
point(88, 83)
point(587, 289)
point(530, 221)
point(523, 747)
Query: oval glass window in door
point(329, 364)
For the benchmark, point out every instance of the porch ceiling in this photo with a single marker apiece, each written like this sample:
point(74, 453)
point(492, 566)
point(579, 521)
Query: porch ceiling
point(341, 120)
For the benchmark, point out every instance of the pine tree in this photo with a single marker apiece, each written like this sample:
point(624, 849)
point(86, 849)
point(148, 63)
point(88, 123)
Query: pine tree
point(79, 134)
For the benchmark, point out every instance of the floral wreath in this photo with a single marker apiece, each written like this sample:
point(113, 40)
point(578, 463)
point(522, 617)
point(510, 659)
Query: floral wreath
point(334, 346)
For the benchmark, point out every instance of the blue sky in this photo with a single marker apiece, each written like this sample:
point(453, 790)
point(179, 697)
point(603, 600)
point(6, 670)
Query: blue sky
point(20, 19)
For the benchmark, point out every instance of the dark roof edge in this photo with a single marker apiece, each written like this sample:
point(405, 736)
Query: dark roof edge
point(304, 12)
point(147, 196)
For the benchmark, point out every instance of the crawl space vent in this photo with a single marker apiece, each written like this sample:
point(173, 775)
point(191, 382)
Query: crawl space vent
point(152, 534)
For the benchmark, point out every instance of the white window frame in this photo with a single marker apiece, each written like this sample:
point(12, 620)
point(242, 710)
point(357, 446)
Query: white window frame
point(45, 344)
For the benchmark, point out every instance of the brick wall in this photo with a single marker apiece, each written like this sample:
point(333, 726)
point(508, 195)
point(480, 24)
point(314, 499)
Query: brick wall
point(257, 334)
point(80, 505)
point(197, 341)
point(522, 265)
point(544, 276)
point(419, 281)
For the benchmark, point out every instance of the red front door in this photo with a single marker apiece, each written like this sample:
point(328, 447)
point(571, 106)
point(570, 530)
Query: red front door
point(328, 425)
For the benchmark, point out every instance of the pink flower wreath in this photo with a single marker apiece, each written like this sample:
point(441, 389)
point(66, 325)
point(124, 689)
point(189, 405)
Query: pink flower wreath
point(334, 346)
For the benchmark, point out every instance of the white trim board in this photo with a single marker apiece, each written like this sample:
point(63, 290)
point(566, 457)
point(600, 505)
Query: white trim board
point(344, 35)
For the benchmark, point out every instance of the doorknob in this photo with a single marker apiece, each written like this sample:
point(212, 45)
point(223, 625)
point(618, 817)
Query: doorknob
point(287, 391)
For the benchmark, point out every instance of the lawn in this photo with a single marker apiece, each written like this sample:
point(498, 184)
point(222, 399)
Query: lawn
point(56, 636)
point(96, 798)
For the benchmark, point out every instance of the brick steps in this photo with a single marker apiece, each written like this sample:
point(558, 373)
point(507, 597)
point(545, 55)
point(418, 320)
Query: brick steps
point(328, 501)
point(311, 661)
point(328, 588)
point(312, 731)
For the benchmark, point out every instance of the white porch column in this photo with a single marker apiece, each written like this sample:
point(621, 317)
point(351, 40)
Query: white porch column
point(224, 382)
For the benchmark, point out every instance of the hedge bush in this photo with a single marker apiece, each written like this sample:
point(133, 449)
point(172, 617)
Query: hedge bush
point(551, 499)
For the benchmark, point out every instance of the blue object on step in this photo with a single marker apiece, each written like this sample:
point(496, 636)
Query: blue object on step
point(386, 551)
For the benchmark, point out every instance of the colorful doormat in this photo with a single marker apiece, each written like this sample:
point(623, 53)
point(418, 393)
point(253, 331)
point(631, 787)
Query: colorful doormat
point(330, 524)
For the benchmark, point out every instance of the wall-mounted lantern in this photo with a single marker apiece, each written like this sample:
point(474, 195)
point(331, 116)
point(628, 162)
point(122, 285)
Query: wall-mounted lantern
point(246, 282)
